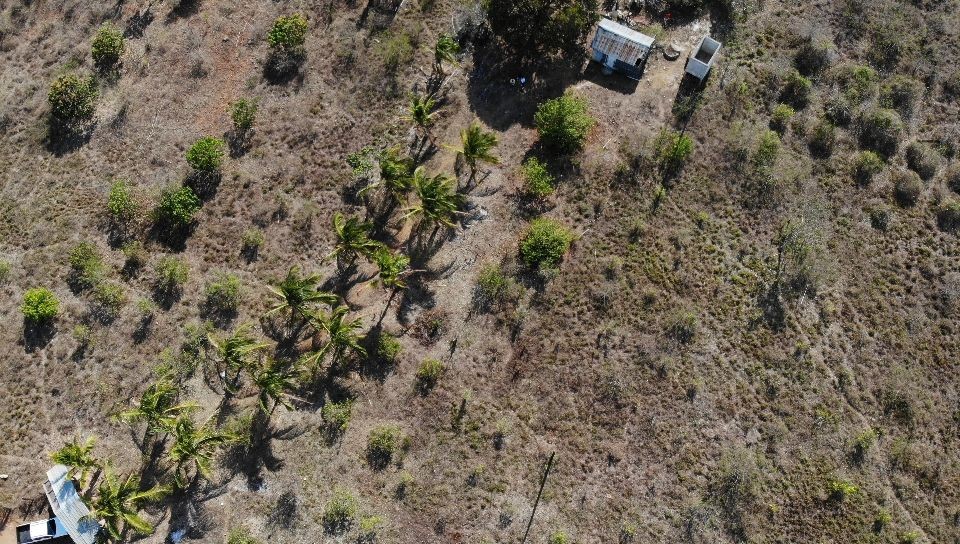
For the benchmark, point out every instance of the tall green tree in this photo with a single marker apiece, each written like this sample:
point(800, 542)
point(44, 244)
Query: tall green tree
point(235, 354)
point(118, 502)
point(352, 240)
point(158, 407)
point(78, 457)
point(445, 51)
point(476, 146)
point(438, 201)
point(275, 379)
point(537, 28)
point(194, 447)
point(342, 335)
point(297, 294)
point(422, 112)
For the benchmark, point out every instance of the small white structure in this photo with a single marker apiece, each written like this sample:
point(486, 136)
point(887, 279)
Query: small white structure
point(69, 509)
point(621, 48)
point(701, 59)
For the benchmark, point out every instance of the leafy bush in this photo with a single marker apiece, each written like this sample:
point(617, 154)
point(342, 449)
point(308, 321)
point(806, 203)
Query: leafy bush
point(223, 293)
point(241, 535)
point(5, 268)
point(73, 98)
point(541, 27)
point(767, 150)
point(563, 122)
point(337, 415)
point(858, 83)
point(922, 159)
point(170, 273)
point(252, 240)
point(107, 46)
point(671, 150)
point(907, 187)
point(86, 265)
point(368, 529)
point(428, 374)
point(382, 443)
point(492, 286)
point(841, 490)
point(559, 537)
point(901, 93)
point(176, 208)
point(823, 138)
point(537, 181)
point(948, 216)
point(243, 112)
point(40, 305)
point(545, 243)
point(288, 33)
point(120, 203)
point(340, 511)
point(397, 51)
point(781, 117)
point(388, 348)
point(206, 155)
point(108, 300)
point(880, 130)
point(136, 256)
point(796, 90)
point(867, 165)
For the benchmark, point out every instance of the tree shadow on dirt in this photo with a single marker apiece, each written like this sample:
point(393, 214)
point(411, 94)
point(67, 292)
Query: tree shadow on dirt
point(254, 458)
point(183, 9)
point(615, 81)
point(62, 140)
point(284, 67)
point(37, 335)
point(138, 23)
point(189, 517)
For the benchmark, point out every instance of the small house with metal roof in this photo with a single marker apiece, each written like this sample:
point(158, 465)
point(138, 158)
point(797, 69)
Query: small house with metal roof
point(621, 48)
point(68, 507)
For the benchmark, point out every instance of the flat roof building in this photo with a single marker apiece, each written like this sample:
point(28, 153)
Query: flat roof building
point(621, 48)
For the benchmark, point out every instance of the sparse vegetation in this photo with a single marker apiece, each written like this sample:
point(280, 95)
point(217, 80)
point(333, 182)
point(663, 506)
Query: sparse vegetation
point(907, 187)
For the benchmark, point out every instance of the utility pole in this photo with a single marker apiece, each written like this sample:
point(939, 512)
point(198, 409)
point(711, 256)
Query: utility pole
point(536, 503)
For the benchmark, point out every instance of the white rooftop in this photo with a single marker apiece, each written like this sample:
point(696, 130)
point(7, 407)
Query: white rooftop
point(626, 32)
point(69, 508)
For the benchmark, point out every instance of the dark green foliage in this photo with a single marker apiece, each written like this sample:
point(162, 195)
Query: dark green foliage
point(40, 305)
point(563, 122)
point(428, 374)
point(880, 130)
point(206, 155)
point(796, 90)
point(907, 187)
point(223, 293)
point(288, 33)
point(243, 113)
point(537, 181)
point(858, 83)
point(781, 117)
point(176, 208)
point(107, 46)
point(671, 150)
point(73, 98)
point(545, 243)
point(120, 203)
point(336, 415)
point(388, 348)
point(822, 139)
point(542, 28)
point(867, 165)
point(86, 265)
point(170, 273)
point(382, 443)
point(922, 159)
point(902, 94)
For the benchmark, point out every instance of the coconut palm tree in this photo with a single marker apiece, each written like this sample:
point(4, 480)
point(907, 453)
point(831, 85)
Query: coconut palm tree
point(353, 239)
point(78, 457)
point(437, 199)
point(446, 50)
point(117, 505)
point(421, 112)
point(341, 335)
point(296, 294)
point(195, 446)
point(275, 379)
point(476, 146)
point(393, 269)
point(157, 407)
point(235, 354)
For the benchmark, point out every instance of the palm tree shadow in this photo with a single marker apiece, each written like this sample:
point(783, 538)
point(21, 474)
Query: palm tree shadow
point(417, 295)
point(251, 460)
point(189, 516)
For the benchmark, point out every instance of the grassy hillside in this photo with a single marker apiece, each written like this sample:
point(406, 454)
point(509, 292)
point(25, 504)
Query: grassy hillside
point(751, 337)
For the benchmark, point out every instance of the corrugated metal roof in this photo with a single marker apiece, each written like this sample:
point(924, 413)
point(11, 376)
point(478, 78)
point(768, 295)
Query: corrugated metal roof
point(627, 32)
point(69, 508)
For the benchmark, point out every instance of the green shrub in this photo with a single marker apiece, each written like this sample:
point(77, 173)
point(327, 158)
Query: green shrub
point(864, 441)
point(492, 286)
point(841, 490)
point(781, 117)
point(858, 83)
point(879, 217)
point(867, 165)
point(336, 415)
point(908, 537)
point(922, 159)
point(288, 33)
point(241, 535)
point(223, 293)
point(206, 155)
point(397, 51)
point(368, 529)
point(948, 216)
point(388, 348)
point(243, 112)
point(73, 98)
point(108, 300)
point(340, 511)
point(559, 537)
point(907, 187)
point(814, 56)
point(170, 273)
point(86, 264)
point(768, 148)
point(683, 326)
point(880, 130)
point(901, 93)
point(428, 374)
point(882, 520)
point(40, 305)
point(545, 243)
point(796, 90)
point(382, 443)
point(823, 138)
point(83, 336)
point(107, 46)
point(537, 181)
point(252, 240)
point(563, 122)
point(136, 256)
point(671, 150)
point(540, 29)
point(5, 269)
point(120, 203)
point(176, 208)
